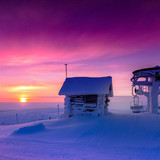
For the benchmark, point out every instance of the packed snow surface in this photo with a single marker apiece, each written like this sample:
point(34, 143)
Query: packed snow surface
point(120, 135)
point(112, 137)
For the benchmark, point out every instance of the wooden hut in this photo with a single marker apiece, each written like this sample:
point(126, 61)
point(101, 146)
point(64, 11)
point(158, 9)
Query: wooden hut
point(86, 95)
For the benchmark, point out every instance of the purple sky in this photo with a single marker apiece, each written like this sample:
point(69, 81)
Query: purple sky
point(96, 38)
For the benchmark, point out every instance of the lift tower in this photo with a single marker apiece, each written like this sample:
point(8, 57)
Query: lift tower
point(147, 82)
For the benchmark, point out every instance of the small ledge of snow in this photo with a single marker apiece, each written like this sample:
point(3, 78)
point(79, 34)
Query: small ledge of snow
point(29, 129)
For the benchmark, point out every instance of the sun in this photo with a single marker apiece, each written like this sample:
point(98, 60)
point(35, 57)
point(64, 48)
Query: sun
point(23, 100)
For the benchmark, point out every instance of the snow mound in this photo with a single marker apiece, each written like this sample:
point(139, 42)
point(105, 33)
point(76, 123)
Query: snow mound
point(30, 129)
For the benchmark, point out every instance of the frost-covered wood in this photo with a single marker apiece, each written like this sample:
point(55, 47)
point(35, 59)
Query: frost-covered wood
point(87, 95)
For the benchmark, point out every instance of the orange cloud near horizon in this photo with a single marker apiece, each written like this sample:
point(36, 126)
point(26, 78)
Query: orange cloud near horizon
point(96, 39)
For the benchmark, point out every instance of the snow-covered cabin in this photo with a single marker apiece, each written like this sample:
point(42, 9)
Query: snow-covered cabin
point(86, 95)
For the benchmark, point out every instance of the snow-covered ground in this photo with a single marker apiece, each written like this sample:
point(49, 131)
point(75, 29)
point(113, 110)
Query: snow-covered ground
point(133, 137)
point(118, 136)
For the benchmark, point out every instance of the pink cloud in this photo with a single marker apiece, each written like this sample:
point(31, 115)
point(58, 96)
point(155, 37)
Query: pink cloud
point(96, 38)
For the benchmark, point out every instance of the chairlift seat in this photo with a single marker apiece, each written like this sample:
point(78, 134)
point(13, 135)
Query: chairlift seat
point(136, 109)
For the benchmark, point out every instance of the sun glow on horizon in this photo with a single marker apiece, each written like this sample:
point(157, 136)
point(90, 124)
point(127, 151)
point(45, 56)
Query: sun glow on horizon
point(23, 100)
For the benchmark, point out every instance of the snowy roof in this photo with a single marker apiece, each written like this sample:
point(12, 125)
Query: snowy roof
point(87, 86)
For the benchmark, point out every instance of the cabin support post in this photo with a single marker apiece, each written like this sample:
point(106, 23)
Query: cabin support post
point(67, 108)
point(106, 105)
point(101, 104)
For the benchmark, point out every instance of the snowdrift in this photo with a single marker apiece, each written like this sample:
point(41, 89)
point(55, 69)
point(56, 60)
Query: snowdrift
point(29, 129)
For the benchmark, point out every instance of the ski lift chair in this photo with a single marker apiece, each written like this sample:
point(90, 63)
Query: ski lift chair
point(136, 106)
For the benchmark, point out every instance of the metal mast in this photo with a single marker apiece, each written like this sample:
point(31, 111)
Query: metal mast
point(66, 69)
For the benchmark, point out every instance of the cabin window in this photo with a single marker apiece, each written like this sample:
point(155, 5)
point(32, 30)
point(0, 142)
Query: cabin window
point(77, 99)
point(84, 99)
point(91, 99)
